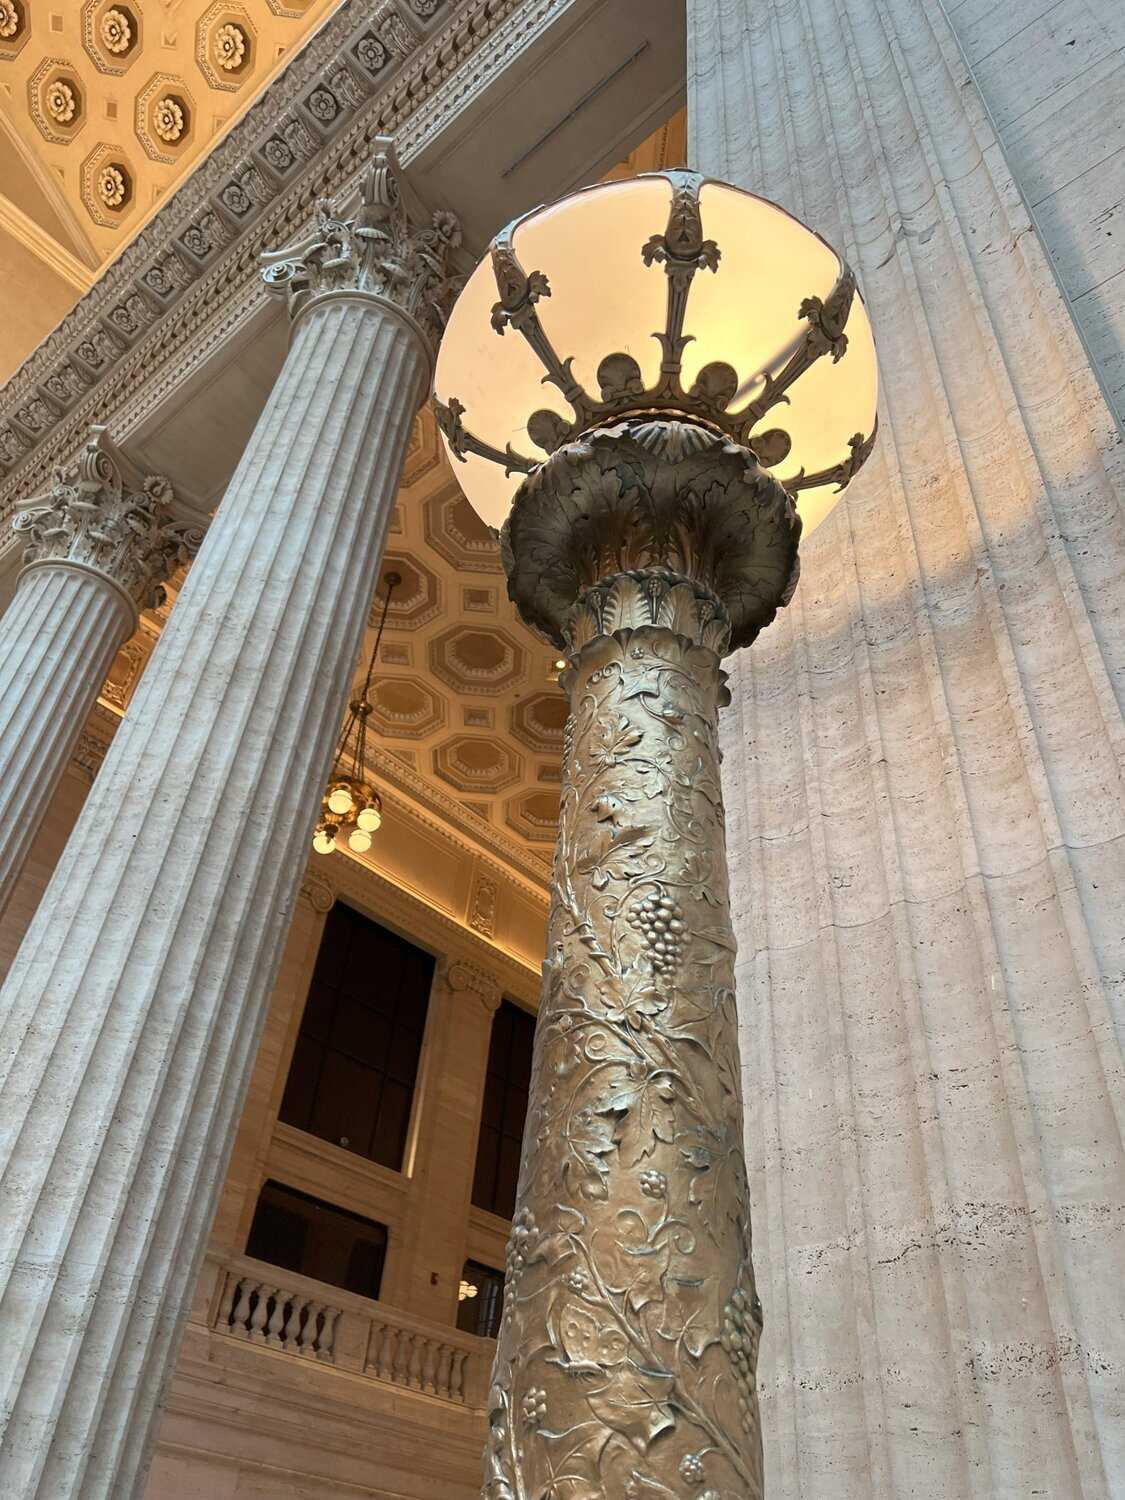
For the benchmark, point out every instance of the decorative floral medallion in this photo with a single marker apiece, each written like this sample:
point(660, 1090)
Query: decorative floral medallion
point(116, 32)
point(112, 184)
point(168, 119)
point(60, 102)
point(10, 20)
point(229, 45)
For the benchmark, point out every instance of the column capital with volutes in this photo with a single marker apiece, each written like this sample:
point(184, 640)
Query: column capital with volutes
point(106, 517)
point(378, 246)
point(465, 977)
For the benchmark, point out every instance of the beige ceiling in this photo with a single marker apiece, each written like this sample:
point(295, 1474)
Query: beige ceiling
point(463, 692)
point(105, 105)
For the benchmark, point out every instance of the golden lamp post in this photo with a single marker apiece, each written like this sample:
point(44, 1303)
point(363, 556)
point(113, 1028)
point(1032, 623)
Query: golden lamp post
point(650, 489)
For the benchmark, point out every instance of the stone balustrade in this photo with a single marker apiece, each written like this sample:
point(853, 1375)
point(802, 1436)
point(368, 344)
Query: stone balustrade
point(281, 1310)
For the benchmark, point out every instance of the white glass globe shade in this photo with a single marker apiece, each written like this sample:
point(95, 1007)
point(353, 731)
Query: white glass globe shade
point(324, 841)
point(340, 800)
point(745, 311)
point(359, 840)
point(369, 818)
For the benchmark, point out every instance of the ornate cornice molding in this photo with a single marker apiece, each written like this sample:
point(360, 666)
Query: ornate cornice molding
point(449, 818)
point(190, 276)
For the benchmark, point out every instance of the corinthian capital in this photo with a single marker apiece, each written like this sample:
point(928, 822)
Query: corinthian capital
point(106, 517)
point(377, 243)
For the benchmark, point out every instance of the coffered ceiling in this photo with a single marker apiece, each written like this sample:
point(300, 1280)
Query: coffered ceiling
point(104, 107)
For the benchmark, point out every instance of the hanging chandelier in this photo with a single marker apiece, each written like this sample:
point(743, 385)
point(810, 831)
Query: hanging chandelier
point(351, 809)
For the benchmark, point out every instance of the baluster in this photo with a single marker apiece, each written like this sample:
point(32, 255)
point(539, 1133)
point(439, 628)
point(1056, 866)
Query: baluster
point(387, 1352)
point(258, 1316)
point(224, 1317)
point(457, 1375)
point(416, 1363)
point(374, 1346)
point(307, 1345)
point(445, 1361)
point(277, 1318)
point(325, 1344)
point(291, 1322)
point(429, 1367)
point(241, 1313)
point(402, 1358)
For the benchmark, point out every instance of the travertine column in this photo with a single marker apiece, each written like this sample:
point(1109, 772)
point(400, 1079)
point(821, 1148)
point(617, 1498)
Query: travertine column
point(100, 546)
point(458, 1031)
point(922, 770)
point(131, 1014)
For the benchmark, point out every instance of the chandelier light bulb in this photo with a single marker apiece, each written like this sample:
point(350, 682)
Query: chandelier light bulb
point(370, 817)
point(340, 799)
point(359, 840)
point(323, 840)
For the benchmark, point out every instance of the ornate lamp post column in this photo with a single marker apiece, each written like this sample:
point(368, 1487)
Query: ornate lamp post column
point(648, 541)
point(131, 1014)
point(101, 544)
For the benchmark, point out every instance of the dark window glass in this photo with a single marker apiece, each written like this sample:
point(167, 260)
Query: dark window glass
point(352, 1077)
point(504, 1110)
point(302, 1234)
point(482, 1300)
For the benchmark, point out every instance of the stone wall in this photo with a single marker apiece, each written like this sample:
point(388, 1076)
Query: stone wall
point(923, 771)
point(1053, 79)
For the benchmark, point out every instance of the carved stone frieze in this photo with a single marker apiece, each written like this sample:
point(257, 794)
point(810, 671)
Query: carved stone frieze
point(400, 35)
point(414, 96)
point(482, 907)
point(379, 248)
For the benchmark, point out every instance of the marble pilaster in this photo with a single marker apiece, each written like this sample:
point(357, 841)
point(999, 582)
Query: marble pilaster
point(463, 1002)
point(923, 782)
point(130, 1016)
point(100, 545)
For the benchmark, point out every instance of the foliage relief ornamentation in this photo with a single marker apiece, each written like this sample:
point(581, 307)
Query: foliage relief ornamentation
point(626, 1356)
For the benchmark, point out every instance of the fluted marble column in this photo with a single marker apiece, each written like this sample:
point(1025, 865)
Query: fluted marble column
point(131, 1014)
point(459, 1029)
point(923, 780)
point(101, 543)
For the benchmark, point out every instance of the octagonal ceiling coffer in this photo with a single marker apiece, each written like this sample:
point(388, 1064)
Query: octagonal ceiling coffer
point(474, 658)
point(477, 763)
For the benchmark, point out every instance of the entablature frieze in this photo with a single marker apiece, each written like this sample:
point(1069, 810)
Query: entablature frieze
point(467, 956)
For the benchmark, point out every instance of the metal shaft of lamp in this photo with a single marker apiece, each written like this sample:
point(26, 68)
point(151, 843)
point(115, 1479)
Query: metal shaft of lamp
point(657, 531)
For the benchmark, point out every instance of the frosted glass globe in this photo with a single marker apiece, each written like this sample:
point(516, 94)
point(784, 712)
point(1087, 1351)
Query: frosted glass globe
point(340, 799)
point(596, 283)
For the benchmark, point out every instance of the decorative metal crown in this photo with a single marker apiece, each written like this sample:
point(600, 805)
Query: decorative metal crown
point(682, 251)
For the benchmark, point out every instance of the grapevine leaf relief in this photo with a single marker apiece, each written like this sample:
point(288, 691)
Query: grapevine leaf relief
point(626, 1355)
